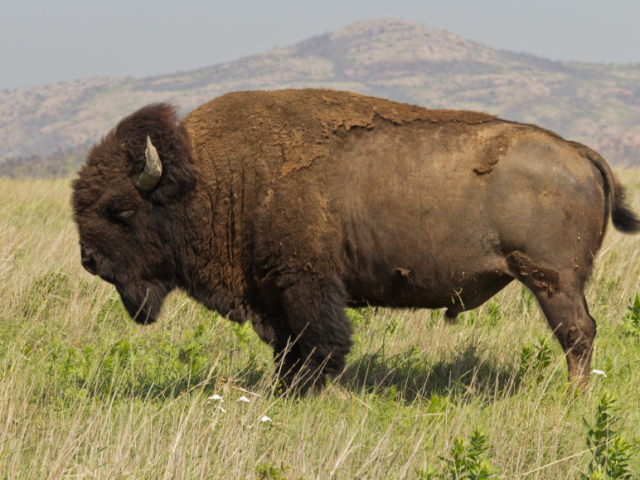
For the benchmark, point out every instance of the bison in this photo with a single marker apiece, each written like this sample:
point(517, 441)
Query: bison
point(281, 208)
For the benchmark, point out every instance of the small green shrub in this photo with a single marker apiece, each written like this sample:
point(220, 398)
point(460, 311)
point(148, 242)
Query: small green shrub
point(631, 324)
point(535, 360)
point(269, 471)
point(158, 365)
point(392, 326)
point(355, 316)
point(242, 332)
point(611, 453)
point(466, 460)
point(437, 404)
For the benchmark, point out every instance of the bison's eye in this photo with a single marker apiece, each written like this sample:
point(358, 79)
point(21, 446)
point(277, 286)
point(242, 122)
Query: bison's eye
point(119, 212)
point(124, 215)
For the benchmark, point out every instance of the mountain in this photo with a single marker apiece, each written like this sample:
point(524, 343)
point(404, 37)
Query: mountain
point(597, 104)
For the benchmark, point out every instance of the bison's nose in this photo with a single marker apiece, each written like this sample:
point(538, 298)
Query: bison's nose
point(88, 261)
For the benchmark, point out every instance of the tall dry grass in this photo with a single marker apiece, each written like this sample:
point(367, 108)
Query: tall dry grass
point(84, 392)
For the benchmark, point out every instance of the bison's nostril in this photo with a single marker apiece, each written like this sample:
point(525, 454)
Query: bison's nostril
point(88, 261)
point(89, 265)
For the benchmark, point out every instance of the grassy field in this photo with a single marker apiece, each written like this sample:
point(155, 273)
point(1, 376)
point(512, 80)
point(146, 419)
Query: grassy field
point(86, 393)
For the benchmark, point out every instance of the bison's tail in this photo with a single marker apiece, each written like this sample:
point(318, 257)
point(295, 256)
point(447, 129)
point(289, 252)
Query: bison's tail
point(623, 218)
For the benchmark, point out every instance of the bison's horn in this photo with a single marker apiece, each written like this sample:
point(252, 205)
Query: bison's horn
point(150, 176)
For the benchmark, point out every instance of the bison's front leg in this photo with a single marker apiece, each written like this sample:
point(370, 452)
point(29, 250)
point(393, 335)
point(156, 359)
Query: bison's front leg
point(315, 335)
point(286, 353)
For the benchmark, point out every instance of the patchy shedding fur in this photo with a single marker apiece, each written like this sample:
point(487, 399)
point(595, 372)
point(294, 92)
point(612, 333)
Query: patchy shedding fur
point(535, 276)
point(497, 147)
point(281, 119)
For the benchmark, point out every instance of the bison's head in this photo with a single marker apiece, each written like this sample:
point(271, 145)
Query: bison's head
point(128, 203)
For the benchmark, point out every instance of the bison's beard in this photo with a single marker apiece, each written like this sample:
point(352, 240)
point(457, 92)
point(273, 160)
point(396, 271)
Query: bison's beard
point(143, 300)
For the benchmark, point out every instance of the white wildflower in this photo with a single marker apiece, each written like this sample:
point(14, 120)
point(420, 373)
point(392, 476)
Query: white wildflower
point(599, 372)
point(222, 409)
point(216, 397)
point(244, 399)
point(265, 419)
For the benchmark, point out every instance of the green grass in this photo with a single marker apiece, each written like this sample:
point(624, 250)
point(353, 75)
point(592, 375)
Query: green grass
point(85, 392)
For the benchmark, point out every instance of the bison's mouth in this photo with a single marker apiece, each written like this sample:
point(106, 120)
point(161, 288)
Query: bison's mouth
point(143, 301)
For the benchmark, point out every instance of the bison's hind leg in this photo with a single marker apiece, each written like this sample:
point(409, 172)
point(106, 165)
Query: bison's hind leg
point(561, 298)
point(317, 331)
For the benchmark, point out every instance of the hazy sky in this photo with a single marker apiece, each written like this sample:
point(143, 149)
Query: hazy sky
point(49, 41)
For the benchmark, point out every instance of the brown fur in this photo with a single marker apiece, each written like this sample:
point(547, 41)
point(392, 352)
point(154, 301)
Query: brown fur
point(280, 208)
point(296, 139)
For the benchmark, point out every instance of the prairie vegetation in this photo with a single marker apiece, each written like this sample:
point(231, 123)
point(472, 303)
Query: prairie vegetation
point(84, 392)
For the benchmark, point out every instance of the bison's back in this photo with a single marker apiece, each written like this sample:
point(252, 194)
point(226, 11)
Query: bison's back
point(292, 129)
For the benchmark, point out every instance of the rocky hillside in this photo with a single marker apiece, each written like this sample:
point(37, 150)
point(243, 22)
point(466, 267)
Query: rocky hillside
point(598, 104)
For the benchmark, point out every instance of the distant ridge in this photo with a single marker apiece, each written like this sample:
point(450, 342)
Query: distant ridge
point(597, 104)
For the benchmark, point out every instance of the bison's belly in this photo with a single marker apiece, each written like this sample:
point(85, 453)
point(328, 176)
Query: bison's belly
point(401, 290)
point(427, 262)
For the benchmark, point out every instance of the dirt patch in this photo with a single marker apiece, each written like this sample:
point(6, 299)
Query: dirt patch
point(497, 147)
point(533, 275)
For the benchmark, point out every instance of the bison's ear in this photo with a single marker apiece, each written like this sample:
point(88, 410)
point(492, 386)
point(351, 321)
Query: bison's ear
point(159, 126)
